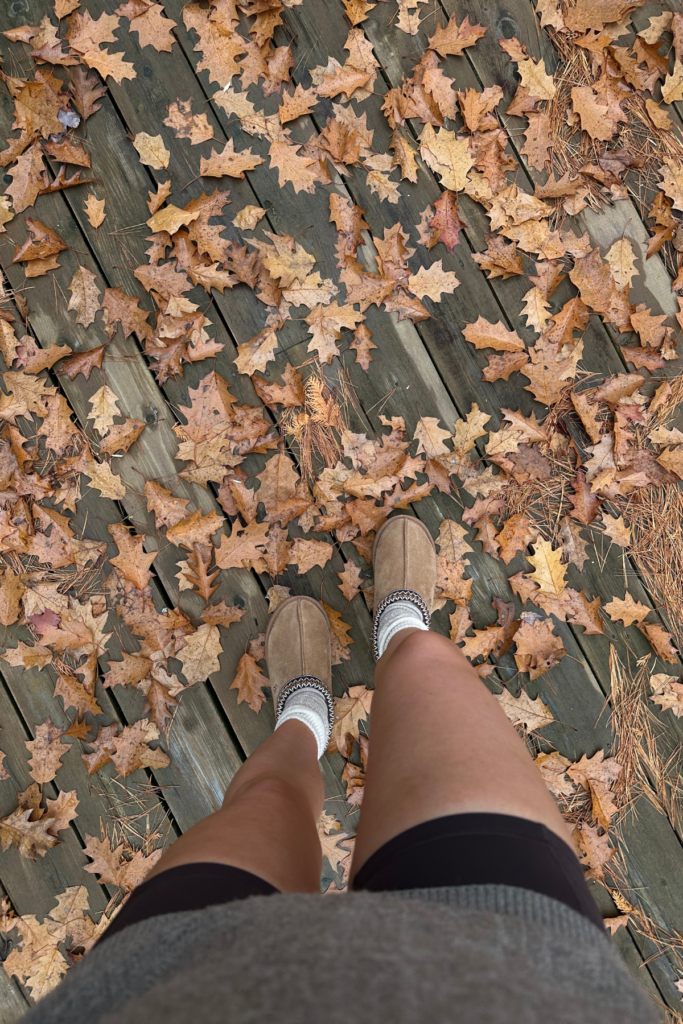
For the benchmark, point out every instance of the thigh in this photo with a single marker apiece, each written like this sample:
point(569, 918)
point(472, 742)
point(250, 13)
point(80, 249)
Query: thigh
point(188, 887)
point(480, 849)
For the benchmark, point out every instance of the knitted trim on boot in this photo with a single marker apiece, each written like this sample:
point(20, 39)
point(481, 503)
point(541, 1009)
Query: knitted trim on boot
point(304, 682)
point(398, 595)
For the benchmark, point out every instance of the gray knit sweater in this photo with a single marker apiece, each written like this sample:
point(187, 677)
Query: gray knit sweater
point(471, 955)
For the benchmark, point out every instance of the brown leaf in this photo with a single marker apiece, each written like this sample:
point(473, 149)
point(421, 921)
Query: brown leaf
point(242, 546)
point(85, 297)
point(349, 713)
point(221, 614)
point(113, 868)
point(483, 334)
point(362, 345)
point(627, 610)
point(83, 362)
point(289, 394)
point(228, 162)
point(131, 560)
point(249, 682)
point(195, 529)
point(454, 38)
point(199, 653)
point(121, 436)
point(61, 811)
point(307, 553)
point(46, 751)
point(94, 210)
point(538, 649)
point(167, 510)
point(660, 641)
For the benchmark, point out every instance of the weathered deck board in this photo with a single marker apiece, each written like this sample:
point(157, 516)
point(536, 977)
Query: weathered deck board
point(425, 369)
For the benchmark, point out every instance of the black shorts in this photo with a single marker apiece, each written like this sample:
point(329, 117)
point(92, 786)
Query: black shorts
point(460, 849)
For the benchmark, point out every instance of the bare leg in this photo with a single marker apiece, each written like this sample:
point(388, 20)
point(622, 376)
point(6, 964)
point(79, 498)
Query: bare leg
point(267, 824)
point(441, 745)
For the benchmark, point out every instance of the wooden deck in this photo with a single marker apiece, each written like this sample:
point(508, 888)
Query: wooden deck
point(419, 369)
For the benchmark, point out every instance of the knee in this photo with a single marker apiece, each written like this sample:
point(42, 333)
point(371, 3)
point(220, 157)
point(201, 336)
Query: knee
point(422, 647)
point(272, 787)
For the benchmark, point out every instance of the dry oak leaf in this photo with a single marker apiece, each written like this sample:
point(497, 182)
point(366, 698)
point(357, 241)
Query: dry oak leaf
point(242, 546)
point(61, 811)
point(621, 259)
point(307, 553)
point(132, 562)
point(85, 296)
point(255, 354)
point(536, 80)
point(330, 835)
point(171, 218)
point(47, 752)
point(522, 710)
point(431, 437)
point(248, 217)
point(249, 681)
point(11, 592)
point(553, 769)
point(538, 649)
point(627, 610)
point(83, 362)
point(122, 436)
point(594, 850)
point(446, 155)
point(344, 79)
point(131, 750)
point(672, 460)
point(300, 102)
point(451, 541)
point(228, 162)
point(104, 408)
point(31, 837)
point(28, 657)
point(167, 510)
point(350, 581)
point(113, 868)
point(549, 573)
point(152, 150)
point(222, 614)
point(667, 691)
point(659, 640)
point(302, 171)
point(483, 334)
point(119, 308)
point(349, 712)
point(454, 38)
point(432, 282)
point(187, 125)
point(129, 671)
point(199, 655)
point(362, 345)
point(195, 529)
point(325, 324)
point(516, 533)
point(27, 178)
point(617, 530)
point(94, 210)
point(340, 639)
point(445, 226)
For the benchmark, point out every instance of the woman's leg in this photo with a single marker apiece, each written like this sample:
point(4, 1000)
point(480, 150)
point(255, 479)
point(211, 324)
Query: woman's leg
point(267, 824)
point(440, 744)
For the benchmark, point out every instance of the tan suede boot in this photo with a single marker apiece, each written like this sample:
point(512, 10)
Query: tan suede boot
point(298, 651)
point(404, 563)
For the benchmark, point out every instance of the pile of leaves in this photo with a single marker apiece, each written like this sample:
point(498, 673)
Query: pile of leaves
point(553, 485)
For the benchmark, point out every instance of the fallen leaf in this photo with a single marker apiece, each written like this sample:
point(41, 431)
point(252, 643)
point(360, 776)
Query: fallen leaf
point(94, 210)
point(249, 682)
point(151, 150)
